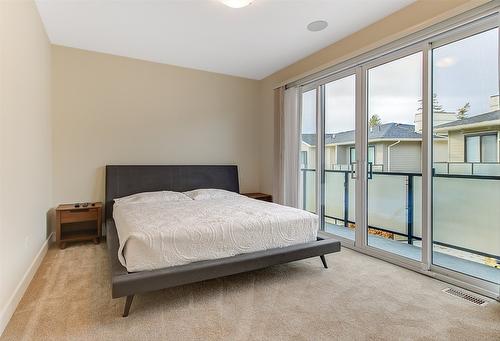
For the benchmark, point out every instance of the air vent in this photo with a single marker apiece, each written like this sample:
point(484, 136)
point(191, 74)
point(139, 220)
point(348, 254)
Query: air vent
point(466, 296)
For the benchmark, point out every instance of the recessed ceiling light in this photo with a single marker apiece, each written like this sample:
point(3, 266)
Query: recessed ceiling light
point(236, 3)
point(317, 25)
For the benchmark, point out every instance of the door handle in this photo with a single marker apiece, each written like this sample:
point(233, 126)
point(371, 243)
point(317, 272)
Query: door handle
point(354, 172)
point(370, 170)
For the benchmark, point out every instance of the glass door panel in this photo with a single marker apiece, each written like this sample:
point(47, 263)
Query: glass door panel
point(466, 176)
point(339, 156)
point(394, 156)
point(308, 150)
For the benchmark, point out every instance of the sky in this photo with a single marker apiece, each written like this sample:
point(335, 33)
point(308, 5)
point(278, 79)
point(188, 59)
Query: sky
point(463, 71)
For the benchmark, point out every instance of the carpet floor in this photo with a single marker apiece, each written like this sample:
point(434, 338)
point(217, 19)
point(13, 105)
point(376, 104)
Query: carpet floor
point(357, 298)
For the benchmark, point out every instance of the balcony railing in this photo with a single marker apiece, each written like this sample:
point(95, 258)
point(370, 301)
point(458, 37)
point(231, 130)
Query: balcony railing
point(468, 168)
point(466, 211)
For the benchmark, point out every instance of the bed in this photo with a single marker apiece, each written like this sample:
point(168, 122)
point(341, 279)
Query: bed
point(130, 278)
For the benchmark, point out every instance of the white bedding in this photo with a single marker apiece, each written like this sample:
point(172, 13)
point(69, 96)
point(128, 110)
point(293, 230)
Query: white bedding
point(156, 235)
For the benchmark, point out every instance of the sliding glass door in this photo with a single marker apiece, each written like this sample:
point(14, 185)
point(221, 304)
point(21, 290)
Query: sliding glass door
point(394, 158)
point(400, 155)
point(339, 156)
point(466, 177)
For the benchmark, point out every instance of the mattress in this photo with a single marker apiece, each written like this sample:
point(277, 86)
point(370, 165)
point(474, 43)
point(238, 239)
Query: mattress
point(155, 235)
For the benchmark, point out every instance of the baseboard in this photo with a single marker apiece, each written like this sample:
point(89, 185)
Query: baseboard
point(14, 300)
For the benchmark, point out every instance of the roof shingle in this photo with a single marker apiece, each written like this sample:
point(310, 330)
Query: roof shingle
point(387, 131)
point(489, 116)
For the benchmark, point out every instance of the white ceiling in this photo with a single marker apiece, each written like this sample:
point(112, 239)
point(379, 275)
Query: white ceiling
point(251, 42)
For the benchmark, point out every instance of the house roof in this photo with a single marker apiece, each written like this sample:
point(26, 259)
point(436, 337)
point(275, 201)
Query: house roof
point(489, 116)
point(387, 131)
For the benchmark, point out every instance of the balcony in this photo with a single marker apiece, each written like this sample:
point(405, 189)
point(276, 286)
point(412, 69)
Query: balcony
point(466, 216)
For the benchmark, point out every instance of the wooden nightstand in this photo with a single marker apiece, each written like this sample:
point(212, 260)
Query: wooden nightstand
point(72, 223)
point(259, 196)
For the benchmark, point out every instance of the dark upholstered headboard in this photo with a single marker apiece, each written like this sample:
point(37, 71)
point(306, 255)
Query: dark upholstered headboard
point(123, 180)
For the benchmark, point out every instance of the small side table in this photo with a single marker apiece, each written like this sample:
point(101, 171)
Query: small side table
point(259, 196)
point(66, 217)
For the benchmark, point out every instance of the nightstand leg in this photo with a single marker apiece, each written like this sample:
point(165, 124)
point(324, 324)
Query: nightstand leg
point(62, 245)
point(96, 240)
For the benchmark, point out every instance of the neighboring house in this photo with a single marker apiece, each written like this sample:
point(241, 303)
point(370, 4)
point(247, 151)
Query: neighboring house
point(438, 118)
point(393, 147)
point(474, 139)
point(466, 146)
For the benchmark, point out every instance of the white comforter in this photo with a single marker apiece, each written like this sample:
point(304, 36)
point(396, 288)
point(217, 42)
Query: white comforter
point(162, 234)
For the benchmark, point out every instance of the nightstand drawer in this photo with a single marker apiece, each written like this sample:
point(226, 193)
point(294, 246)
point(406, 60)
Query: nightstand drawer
point(73, 216)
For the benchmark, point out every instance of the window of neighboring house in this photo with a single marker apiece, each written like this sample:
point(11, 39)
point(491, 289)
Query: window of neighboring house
point(352, 155)
point(481, 148)
point(371, 154)
point(303, 159)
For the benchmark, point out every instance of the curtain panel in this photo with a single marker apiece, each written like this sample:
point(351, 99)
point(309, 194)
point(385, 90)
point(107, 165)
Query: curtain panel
point(287, 146)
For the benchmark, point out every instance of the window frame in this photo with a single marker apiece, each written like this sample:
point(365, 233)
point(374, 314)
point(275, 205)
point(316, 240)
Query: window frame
point(480, 135)
point(371, 146)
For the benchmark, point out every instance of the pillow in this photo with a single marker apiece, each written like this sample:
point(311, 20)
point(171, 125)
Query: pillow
point(210, 193)
point(146, 197)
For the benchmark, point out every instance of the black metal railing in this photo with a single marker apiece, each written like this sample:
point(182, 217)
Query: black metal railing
point(409, 207)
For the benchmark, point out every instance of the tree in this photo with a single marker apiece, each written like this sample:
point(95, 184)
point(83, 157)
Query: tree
point(462, 112)
point(436, 106)
point(374, 121)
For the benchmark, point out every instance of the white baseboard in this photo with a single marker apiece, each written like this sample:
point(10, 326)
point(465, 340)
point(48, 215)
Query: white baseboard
point(14, 300)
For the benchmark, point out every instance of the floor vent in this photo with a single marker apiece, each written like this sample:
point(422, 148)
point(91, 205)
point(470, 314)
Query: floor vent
point(466, 296)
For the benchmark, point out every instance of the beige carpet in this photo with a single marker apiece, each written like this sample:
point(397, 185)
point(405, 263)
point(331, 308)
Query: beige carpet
point(358, 298)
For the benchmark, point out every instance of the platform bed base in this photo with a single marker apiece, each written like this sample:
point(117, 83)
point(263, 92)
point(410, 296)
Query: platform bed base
point(125, 284)
point(130, 298)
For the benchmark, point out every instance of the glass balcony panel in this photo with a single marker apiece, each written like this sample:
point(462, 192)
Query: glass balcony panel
point(466, 232)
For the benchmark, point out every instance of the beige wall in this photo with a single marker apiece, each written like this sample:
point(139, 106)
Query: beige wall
point(440, 150)
point(456, 146)
point(411, 18)
point(25, 147)
point(115, 110)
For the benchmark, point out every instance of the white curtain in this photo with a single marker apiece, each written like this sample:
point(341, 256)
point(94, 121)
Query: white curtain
point(291, 147)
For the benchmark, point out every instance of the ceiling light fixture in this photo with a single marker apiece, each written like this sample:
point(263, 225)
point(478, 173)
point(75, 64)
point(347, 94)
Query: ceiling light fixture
point(318, 25)
point(236, 3)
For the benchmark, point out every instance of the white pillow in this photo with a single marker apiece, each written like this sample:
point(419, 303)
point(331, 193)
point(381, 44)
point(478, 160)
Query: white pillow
point(210, 193)
point(146, 197)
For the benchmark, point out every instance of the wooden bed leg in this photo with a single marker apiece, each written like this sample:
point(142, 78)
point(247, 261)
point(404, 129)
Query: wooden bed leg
point(323, 260)
point(128, 303)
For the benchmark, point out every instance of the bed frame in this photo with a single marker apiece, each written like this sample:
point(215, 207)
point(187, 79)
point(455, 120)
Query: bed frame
point(125, 180)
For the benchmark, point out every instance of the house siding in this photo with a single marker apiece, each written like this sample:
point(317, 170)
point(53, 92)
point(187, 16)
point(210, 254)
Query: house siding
point(456, 146)
point(380, 157)
point(440, 151)
point(343, 155)
point(405, 157)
